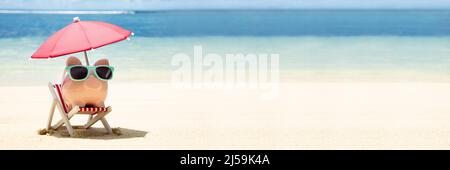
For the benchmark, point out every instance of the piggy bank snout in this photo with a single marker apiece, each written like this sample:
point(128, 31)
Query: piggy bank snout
point(93, 83)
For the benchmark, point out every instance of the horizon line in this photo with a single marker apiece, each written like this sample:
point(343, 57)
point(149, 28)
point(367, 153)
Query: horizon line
point(132, 11)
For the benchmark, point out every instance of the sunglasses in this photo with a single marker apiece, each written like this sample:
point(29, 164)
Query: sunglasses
point(81, 73)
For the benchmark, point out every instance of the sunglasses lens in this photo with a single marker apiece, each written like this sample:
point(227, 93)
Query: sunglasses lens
point(79, 72)
point(104, 72)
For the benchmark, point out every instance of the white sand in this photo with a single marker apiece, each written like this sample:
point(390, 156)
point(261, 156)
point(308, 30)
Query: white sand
point(306, 115)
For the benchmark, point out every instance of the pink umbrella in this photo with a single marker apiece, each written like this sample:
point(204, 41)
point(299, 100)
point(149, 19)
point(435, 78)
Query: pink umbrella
point(80, 36)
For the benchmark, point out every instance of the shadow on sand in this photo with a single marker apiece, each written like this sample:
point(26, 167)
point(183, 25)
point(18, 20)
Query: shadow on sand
point(97, 133)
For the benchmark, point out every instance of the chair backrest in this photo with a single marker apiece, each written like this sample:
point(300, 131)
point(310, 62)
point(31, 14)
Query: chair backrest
point(55, 90)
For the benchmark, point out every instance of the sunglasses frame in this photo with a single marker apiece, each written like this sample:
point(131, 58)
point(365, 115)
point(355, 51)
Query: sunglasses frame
point(89, 68)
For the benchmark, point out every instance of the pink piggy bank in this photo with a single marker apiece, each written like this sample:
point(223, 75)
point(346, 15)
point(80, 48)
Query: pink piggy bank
point(86, 86)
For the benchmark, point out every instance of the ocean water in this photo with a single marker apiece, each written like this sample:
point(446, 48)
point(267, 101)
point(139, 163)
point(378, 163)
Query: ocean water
point(260, 23)
point(309, 42)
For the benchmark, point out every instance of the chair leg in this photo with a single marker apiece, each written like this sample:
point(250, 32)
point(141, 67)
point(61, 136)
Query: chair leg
point(97, 118)
point(50, 117)
point(69, 116)
point(66, 121)
point(106, 125)
point(90, 118)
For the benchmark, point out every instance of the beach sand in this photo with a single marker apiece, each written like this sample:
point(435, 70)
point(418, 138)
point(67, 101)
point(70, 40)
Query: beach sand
point(305, 115)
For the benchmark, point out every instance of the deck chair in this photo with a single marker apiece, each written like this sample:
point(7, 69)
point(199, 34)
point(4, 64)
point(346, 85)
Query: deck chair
point(95, 113)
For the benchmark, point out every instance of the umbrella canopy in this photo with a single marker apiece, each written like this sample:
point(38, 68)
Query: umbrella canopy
point(80, 36)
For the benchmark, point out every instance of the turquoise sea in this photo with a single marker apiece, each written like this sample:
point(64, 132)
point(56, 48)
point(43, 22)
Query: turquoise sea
point(342, 44)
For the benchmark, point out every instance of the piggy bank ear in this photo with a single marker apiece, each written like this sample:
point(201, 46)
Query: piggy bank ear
point(73, 61)
point(102, 62)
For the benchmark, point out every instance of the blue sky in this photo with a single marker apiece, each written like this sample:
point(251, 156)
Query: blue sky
point(222, 4)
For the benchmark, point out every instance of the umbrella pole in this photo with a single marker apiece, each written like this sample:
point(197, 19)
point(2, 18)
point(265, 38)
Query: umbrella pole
point(85, 57)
